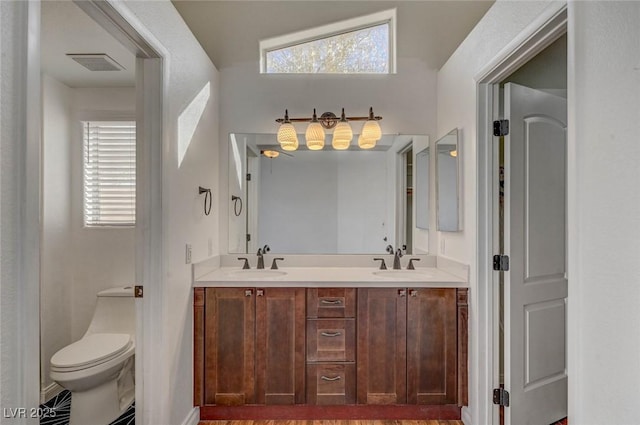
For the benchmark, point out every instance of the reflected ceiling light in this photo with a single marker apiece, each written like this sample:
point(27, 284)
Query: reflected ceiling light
point(342, 135)
point(287, 136)
point(270, 153)
point(453, 153)
point(315, 134)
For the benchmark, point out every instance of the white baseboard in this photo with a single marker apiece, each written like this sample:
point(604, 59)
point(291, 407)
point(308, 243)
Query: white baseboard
point(193, 417)
point(466, 416)
point(50, 391)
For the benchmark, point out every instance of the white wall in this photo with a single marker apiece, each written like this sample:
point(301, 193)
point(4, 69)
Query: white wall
point(252, 101)
point(102, 257)
point(457, 108)
point(76, 262)
point(57, 256)
point(604, 212)
point(188, 75)
point(604, 231)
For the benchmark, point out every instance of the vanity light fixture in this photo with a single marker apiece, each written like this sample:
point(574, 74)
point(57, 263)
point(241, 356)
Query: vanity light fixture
point(287, 136)
point(342, 135)
point(315, 134)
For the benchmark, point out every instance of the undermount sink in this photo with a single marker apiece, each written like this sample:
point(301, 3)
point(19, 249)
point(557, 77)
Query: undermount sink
point(256, 274)
point(404, 274)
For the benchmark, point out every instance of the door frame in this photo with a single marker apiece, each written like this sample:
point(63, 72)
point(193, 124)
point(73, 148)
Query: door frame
point(151, 80)
point(543, 31)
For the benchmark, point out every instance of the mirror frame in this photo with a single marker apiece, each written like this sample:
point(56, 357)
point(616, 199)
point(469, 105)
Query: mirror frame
point(458, 183)
point(422, 188)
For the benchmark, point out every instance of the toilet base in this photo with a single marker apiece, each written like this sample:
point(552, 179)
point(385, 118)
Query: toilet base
point(103, 404)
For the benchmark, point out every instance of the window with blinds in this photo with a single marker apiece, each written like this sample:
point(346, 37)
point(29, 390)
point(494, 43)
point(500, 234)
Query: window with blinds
point(109, 173)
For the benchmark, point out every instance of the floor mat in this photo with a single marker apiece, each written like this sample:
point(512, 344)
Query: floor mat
point(57, 410)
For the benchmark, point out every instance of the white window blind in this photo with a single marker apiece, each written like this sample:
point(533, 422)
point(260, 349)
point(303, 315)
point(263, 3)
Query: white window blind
point(109, 173)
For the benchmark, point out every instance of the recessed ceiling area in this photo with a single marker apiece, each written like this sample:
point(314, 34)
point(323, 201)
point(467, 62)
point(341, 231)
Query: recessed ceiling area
point(229, 31)
point(67, 29)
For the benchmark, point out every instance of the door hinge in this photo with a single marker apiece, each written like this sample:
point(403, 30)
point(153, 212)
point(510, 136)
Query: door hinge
point(248, 177)
point(501, 263)
point(501, 128)
point(138, 291)
point(248, 237)
point(501, 397)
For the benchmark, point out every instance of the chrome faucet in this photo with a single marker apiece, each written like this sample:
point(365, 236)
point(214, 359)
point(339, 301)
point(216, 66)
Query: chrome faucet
point(396, 259)
point(260, 254)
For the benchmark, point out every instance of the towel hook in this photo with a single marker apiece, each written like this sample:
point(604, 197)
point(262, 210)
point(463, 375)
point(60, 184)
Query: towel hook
point(207, 192)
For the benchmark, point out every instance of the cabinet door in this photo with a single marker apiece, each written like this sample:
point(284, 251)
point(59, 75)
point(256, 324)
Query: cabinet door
point(280, 345)
point(229, 346)
point(432, 346)
point(382, 345)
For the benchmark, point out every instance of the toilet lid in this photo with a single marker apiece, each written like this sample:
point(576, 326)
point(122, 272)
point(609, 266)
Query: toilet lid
point(94, 348)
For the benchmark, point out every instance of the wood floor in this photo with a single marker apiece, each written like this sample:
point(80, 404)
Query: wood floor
point(336, 422)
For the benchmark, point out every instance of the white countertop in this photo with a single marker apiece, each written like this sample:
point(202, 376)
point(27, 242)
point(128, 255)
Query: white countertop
point(352, 277)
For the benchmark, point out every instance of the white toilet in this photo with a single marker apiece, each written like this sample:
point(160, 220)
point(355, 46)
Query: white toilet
point(98, 369)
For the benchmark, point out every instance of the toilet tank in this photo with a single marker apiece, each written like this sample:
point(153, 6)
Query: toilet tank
point(115, 312)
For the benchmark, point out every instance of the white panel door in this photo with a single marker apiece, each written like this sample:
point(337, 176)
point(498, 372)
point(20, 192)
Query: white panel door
point(535, 240)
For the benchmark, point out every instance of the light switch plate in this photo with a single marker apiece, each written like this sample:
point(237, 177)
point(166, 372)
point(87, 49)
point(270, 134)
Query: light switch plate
point(187, 256)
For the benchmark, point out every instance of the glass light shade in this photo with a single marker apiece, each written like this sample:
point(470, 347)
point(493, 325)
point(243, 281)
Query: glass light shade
point(270, 153)
point(453, 153)
point(342, 136)
point(365, 143)
point(371, 130)
point(287, 137)
point(315, 136)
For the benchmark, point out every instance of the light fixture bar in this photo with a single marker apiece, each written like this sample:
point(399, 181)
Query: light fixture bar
point(329, 119)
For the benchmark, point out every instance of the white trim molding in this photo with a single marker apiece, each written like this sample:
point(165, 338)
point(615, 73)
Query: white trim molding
point(193, 417)
point(539, 34)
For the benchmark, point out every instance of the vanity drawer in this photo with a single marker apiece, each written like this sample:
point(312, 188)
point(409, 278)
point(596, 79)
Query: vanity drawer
point(331, 340)
point(331, 302)
point(329, 383)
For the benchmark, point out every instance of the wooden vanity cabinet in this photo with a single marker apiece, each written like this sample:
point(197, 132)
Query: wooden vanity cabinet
point(382, 346)
point(335, 347)
point(409, 346)
point(253, 346)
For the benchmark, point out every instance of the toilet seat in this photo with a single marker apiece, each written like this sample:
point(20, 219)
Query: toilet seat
point(91, 350)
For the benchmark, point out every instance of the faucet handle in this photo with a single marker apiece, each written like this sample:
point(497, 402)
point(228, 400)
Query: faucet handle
point(274, 265)
point(383, 266)
point(410, 265)
point(389, 249)
point(245, 266)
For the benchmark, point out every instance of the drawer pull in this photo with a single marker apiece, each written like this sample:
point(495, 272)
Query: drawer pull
point(330, 334)
point(331, 302)
point(326, 378)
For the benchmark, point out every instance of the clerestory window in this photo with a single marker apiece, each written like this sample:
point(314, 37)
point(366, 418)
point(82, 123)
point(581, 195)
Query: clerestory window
point(364, 45)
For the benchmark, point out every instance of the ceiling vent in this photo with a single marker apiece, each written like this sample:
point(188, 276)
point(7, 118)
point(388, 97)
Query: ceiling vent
point(96, 61)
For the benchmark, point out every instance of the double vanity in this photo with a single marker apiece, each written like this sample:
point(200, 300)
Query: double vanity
point(330, 339)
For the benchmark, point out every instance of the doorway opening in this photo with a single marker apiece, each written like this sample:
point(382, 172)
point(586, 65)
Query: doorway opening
point(493, 329)
point(145, 108)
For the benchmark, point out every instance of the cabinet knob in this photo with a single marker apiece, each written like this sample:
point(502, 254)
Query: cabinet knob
point(260, 292)
point(402, 292)
point(248, 292)
point(413, 293)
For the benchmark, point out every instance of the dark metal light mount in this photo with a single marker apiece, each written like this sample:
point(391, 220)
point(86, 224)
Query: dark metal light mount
point(329, 120)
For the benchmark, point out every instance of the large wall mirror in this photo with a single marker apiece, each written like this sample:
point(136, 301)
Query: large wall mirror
point(317, 202)
point(448, 183)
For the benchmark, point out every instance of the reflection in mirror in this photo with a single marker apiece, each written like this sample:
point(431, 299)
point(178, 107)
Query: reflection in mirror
point(448, 183)
point(422, 189)
point(313, 202)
